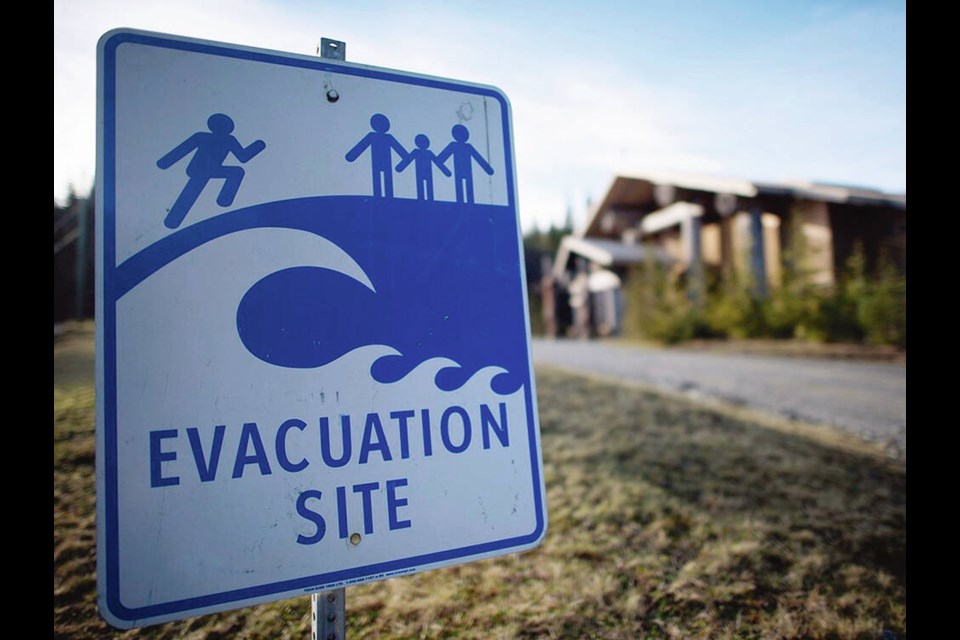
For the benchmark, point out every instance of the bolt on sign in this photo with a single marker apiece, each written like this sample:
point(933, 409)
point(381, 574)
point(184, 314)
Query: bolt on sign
point(313, 354)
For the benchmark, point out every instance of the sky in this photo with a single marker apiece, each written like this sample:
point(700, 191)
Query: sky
point(762, 90)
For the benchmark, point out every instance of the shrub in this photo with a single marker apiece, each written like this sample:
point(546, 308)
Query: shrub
point(658, 308)
point(882, 307)
point(859, 308)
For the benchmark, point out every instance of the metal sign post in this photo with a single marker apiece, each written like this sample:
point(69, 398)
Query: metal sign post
point(328, 609)
point(328, 612)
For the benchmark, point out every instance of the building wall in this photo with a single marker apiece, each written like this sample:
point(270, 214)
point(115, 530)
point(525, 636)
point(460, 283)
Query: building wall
point(881, 232)
point(741, 242)
point(671, 241)
point(772, 254)
point(711, 243)
point(814, 221)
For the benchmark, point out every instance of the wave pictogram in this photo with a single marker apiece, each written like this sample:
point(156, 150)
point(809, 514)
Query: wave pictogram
point(427, 279)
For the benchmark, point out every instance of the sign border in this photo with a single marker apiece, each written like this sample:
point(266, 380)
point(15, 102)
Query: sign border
point(108, 552)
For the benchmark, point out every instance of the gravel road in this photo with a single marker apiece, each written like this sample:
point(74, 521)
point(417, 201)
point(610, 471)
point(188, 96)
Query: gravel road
point(866, 398)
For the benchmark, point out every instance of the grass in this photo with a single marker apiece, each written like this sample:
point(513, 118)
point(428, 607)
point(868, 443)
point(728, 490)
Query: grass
point(667, 520)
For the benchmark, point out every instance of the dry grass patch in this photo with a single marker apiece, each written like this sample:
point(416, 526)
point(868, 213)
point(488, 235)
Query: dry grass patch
point(667, 520)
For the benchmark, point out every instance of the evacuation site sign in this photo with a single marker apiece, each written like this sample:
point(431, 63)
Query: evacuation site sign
point(313, 355)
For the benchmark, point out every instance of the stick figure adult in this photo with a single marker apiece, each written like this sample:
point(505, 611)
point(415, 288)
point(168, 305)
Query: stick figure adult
point(463, 156)
point(380, 143)
point(212, 148)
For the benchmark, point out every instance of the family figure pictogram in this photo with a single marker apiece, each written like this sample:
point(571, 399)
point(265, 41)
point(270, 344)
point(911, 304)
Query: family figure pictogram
point(212, 148)
point(424, 159)
point(383, 144)
point(463, 156)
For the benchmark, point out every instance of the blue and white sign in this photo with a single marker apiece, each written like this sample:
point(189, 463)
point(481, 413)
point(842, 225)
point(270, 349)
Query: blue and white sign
point(313, 358)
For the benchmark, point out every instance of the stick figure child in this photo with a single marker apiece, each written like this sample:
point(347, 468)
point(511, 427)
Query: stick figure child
point(207, 163)
point(425, 159)
point(380, 143)
point(463, 154)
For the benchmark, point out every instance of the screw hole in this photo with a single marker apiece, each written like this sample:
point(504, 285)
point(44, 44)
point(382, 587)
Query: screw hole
point(332, 96)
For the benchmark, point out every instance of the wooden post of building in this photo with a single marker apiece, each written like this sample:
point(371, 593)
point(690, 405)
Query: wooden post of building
point(580, 300)
point(758, 263)
point(548, 298)
point(725, 204)
point(81, 208)
point(695, 283)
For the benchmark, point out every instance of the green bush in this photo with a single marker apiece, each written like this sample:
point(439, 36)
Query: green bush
point(657, 308)
point(733, 310)
point(859, 308)
point(864, 307)
point(881, 306)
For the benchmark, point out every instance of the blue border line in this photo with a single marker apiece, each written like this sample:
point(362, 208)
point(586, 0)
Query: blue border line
point(110, 345)
point(110, 328)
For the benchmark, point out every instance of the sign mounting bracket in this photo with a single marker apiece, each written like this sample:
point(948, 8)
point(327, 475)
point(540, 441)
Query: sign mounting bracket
point(332, 49)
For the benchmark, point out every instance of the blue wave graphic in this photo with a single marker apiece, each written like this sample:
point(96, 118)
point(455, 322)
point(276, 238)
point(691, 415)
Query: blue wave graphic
point(446, 277)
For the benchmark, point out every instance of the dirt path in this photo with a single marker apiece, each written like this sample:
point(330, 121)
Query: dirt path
point(865, 398)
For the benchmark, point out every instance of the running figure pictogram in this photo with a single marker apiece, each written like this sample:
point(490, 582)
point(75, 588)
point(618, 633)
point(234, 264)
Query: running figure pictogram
point(212, 148)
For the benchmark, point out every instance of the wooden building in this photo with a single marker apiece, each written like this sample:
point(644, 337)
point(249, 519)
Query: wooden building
point(695, 225)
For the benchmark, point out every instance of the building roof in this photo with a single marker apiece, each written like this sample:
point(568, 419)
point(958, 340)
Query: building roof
point(605, 252)
point(652, 191)
point(671, 215)
point(844, 193)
